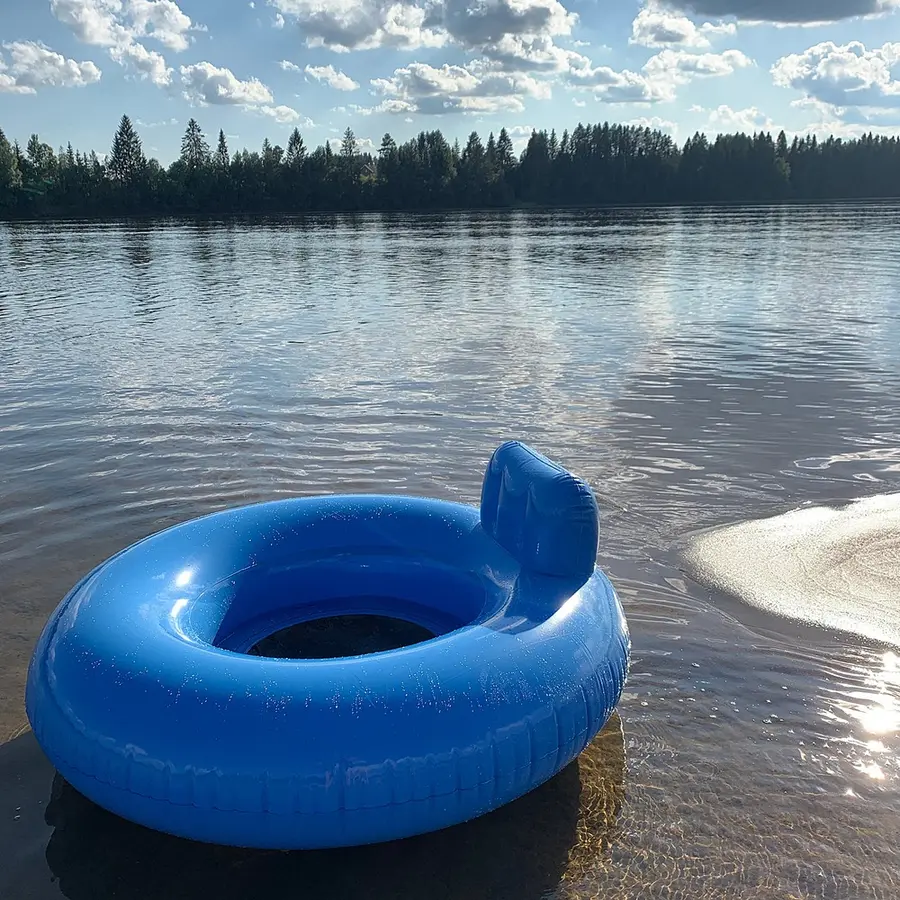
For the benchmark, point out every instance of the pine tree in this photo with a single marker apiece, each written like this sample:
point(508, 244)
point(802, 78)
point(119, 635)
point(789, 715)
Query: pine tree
point(596, 163)
point(534, 168)
point(41, 159)
point(296, 150)
point(388, 148)
point(491, 150)
point(194, 149)
point(506, 157)
point(222, 159)
point(10, 176)
point(33, 151)
point(781, 147)
point(387, 168)
point(553, 145)
point(349, 144)
point(126, 162)
point(271, 156)
point(473, 170)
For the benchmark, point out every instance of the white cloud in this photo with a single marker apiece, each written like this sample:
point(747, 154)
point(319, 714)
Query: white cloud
point(8, 85)
point(531, 53)
point(206, 84)
point(521, 32)
point(344, 25)
point(112, 23)
point(515, 44)
point(323, 74)
point(616, 87)
point(843, 76)
point(787, 11)
point(279, 21)
point(117, 25)
point(332, 77)
point(162, 124)
point(284, 115)
point(162, 20)
point(521, 135)
point(392, 106)
point(476, 25)
point(34, 65)
point(148, 63)
point(750, 120)
point(517, 35)
point(655, 123)
point(363, 145)
point(671, 68)
point(658, 27)
point(473, 88)
point(848, 122)
point(516, 41)
point(579, 103)
point(681, 66)
point(660, 77)
point(93, 21)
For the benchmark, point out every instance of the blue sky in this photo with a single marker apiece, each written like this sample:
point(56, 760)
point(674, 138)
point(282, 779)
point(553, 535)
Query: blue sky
point(70, 68)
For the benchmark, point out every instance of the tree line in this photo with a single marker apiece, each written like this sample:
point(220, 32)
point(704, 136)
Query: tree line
point(591, 165)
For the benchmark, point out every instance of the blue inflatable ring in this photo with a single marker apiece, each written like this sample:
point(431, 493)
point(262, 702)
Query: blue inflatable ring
point(143, 696)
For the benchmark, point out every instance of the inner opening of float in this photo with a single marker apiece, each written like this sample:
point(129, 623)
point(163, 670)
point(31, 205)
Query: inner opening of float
point(332, 637)
point(324, 611)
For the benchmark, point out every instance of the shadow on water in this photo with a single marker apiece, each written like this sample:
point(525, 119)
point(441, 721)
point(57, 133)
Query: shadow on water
point(529, 849)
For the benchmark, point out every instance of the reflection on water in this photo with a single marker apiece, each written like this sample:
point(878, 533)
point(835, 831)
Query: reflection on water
point(701, 368)
point(525, 850)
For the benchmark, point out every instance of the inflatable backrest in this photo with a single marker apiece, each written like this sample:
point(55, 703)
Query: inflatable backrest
point(544, 516)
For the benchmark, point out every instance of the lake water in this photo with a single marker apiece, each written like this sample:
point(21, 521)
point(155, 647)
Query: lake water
point(700, 368)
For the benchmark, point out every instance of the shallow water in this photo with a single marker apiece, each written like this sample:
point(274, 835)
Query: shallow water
point(700, 368)
point(834, 567)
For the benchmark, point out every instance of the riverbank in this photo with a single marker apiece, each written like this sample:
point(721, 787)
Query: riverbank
point(268, 215)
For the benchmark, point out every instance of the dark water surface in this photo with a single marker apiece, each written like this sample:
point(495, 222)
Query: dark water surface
point(699, 368)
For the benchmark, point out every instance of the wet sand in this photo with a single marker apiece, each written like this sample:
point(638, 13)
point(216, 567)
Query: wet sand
point(836, 567)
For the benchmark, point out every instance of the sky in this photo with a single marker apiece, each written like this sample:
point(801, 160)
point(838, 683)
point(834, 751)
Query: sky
point(69, 69)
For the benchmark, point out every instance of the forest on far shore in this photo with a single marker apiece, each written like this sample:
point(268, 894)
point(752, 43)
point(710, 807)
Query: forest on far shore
point(591, 165)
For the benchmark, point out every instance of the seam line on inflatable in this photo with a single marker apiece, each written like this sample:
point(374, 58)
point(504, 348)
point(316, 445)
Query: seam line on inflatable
point(100, 757)
point(493, 782)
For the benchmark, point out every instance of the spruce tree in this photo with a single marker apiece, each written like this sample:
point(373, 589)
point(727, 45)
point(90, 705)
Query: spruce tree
point(349, 144)
point(505, 154)
point(222, 158)
point(126, 162)
point(194, 149)
point(10, 176)
point(296, 150)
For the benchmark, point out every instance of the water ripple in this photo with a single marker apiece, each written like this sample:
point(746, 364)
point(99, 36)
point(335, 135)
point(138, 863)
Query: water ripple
point(700, 368)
